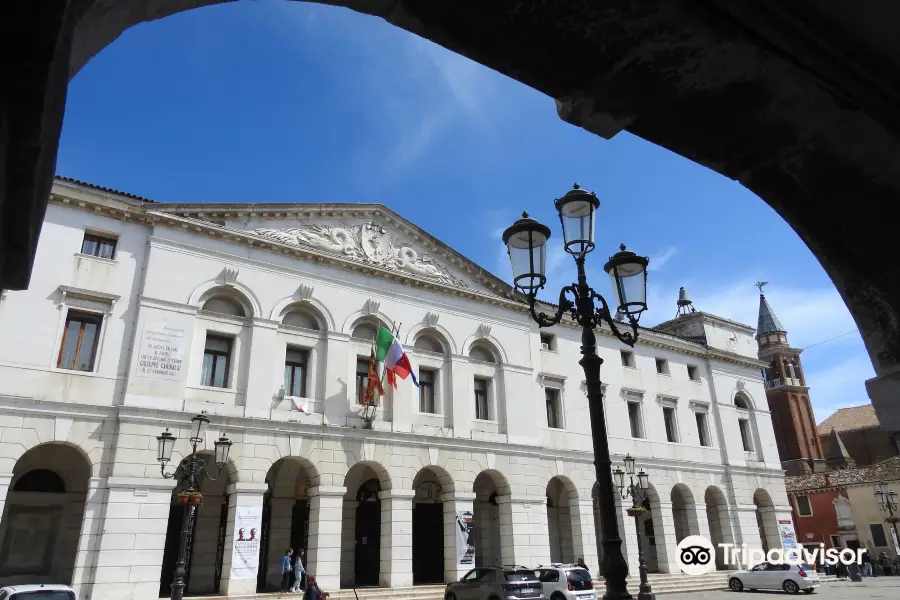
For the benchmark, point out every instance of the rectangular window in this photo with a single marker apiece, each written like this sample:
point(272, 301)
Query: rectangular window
point(553, 413)
point(702, 430)
point(362, 379)
point(295, 372)
point(481, 399)
point(547, 341)
point(804, 509)
point(627, 358)
point(669, 418)
point(98, 245)
point(426, 391)
point(662, 366)
point(634, 417)
point(746, 438)
point(216, 359)
point(835, 541)
point(693, 373)
point(80, 340)
point(879, 540)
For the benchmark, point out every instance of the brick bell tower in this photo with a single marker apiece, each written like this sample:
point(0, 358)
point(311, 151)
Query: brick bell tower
point(788, 395)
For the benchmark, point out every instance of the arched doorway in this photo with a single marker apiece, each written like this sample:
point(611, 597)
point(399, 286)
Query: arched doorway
point(43, 516)
point(766, 520)
point(649, 528)
point(718, 521)
point(684, 512)
point(206, 546)
point(362, 516)
point(429, 547)
point(489, 516)
point(559, 520)
point(285, 522)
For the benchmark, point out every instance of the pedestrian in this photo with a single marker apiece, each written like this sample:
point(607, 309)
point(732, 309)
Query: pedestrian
point(313, 591)
point(580, 563)
point(286, 571)
point(866, 565)
point(299, 572)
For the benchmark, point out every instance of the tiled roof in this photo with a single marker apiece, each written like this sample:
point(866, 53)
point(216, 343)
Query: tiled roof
point(850, 419)
point(886, 470)
point(102, 189)
point(767, 322)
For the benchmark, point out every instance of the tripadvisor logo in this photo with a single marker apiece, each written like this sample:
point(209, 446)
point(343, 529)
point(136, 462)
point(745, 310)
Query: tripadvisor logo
point(697, 556)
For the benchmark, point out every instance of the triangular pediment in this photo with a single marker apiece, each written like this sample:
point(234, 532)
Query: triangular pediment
point(366, 234)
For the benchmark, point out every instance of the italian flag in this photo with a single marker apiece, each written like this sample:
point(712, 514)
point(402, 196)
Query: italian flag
point(389, 351)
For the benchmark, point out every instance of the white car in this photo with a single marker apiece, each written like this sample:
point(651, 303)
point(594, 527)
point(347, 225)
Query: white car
point(566, 582)
point(770, 576)
point(48, 591)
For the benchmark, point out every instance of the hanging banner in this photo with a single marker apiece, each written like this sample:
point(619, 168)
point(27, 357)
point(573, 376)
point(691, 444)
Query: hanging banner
point(245, 552)
point(787, 534)
point(465, 540)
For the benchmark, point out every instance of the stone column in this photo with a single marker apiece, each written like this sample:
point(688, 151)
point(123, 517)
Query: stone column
point(396, 538)
point(629, 535)
point(129, 534)
point(884, 391)
point(747, 529)
point(529, 537)
point(323, 556)
point(455, 503)
point(243, 496)
point(584, 536)
point(666, 540)
point(260, 360)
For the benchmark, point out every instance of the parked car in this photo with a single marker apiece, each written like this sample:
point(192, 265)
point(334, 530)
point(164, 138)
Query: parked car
point(769, 576)
point(566, 582)
point(42, 591)
point(496, 583)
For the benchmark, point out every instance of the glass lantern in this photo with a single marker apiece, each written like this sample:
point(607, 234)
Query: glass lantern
point(165, 446)
point(576, 214)
point(198, 428)
point(223, 446)
point(526, 243)
point(628, 275)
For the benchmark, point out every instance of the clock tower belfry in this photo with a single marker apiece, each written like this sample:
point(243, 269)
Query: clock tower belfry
point(788, 395)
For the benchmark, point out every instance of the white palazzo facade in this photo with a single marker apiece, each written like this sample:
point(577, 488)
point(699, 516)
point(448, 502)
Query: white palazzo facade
point(140, 315)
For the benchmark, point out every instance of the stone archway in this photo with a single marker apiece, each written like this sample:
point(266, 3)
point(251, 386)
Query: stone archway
point(491, 514)
point(286, 517)
point(684, 512)
point(719, 522)
point(206, 549)
point(561, 495)
point(363, 548)
point(433, 527)
point(766, 520)
point(43, 516)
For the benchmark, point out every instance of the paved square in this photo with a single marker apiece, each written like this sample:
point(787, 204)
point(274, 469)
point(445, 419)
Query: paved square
point(875, 588)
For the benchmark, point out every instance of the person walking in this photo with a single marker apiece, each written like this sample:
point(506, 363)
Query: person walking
point(299, 572)
point(286, 571)
point(866, 565)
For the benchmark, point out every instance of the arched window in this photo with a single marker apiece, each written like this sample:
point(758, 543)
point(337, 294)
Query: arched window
point(224, 306)
point(483, 353)
point(40, 480)
point(429, 343)
point(301, 317)
point(365, 331)
point(740, 400)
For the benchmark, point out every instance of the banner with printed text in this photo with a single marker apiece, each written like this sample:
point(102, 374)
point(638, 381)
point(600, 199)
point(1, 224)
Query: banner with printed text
point(787, 534)
point(465, 540)
point(245, 553)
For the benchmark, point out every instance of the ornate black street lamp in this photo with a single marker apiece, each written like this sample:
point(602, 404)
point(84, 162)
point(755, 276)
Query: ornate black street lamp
point(526, 241)
point(638, 493)
point(887, 500)
point(188, 475)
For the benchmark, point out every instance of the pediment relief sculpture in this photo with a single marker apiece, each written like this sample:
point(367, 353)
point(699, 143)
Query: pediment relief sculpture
point(369, 243)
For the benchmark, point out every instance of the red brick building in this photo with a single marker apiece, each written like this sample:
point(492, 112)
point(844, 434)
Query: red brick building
point(861, 433)
point(816, 501)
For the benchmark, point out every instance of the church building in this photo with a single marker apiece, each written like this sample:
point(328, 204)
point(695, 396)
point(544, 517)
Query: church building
point(142, 314)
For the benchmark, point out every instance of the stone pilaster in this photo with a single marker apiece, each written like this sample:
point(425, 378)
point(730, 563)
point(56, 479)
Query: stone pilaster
point(530, 538)
point(396, 538)
point(242, 497)
point(262, 378)
point(455, 503)
point(325, 527)
point(665, 538)
point(129, 535)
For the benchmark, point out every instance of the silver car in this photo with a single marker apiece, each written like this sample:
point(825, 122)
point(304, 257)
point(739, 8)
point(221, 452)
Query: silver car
point(566, 582)
point(496, 583)
point(48, 591)
point(771, 576)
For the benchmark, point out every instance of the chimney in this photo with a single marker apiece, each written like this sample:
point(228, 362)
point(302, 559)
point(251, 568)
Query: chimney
point(827, 480)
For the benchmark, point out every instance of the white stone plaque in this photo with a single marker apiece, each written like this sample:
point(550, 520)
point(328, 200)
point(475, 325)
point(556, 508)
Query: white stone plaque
point(161, 354)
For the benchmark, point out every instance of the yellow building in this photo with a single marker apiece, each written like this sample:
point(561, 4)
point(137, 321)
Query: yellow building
point(875, 533)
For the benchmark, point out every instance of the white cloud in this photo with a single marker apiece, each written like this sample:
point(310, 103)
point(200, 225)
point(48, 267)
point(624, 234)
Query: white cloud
point(657, 262)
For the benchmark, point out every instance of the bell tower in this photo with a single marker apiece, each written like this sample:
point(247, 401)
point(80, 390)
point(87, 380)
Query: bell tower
point(788, 395)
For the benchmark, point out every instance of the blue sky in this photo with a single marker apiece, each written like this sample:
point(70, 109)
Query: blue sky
point(285, 101)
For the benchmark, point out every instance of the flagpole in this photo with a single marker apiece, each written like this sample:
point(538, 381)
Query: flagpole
point(366, 416)
point(384, 371)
